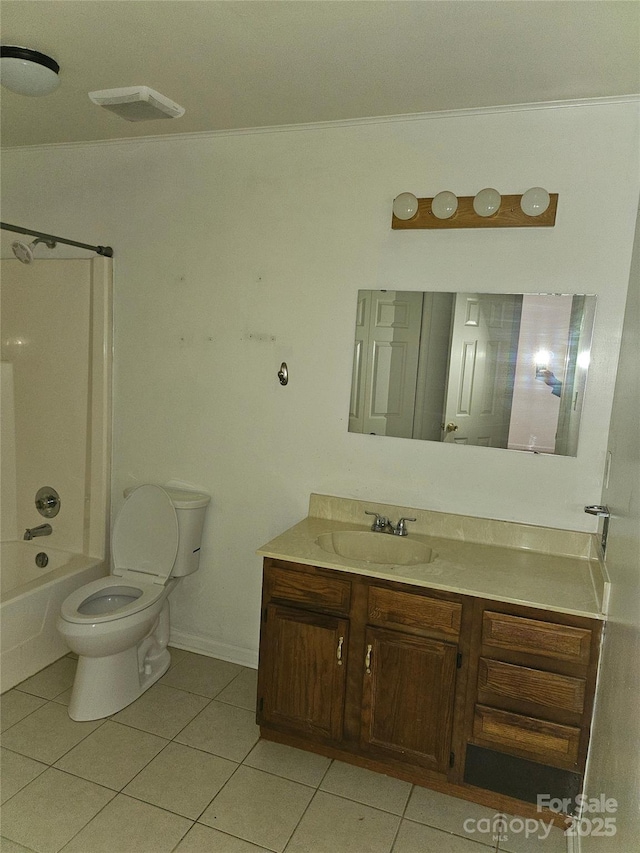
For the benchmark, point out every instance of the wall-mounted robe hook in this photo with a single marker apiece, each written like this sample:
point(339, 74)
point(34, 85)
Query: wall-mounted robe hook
point(283, 373)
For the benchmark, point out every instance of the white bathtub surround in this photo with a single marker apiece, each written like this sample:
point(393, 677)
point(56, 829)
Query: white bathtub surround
point(8, 523)
point(472, 556)
point(31, 601)
point(56, 420)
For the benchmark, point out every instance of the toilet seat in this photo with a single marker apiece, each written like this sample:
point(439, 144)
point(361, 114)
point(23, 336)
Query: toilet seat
point(144, 595)
point(142, 563)
point(147, 508)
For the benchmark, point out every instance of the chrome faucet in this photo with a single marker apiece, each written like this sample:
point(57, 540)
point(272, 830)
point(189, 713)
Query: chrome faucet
point(380, 524)
point(40, 530)
point(383, 525)
point(401, 527)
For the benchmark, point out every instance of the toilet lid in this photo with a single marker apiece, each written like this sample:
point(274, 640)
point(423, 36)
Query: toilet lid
point(145, 534)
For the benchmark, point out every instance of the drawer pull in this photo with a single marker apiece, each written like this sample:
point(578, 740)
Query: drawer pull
point(339, 650)
point(367, 660)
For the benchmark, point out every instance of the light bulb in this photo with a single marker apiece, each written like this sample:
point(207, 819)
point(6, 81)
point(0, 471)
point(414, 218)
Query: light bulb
point(405, 206)
point(487, 202)
point(535, 201)
point(444, 205)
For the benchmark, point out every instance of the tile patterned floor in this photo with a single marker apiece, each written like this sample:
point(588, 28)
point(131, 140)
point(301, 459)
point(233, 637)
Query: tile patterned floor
point(182, 770)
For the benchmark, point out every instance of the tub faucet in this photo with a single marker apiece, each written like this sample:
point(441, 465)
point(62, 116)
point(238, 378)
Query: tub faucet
point(40, 530)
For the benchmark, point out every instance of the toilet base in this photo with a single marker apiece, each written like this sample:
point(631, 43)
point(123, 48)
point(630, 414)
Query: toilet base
point(105, 685)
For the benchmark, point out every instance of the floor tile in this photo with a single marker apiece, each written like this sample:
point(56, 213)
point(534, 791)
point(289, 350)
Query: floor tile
point(129, 826)
point(15, 706)
point(258, 807)
point(63, 698)
point(242, 691)
point(418, 838)
point(203, 839)
point(452, 815)
point(176, 655)
point(223, 730)
point(365, 786)
point(522, 837)
point(51, 810)
point(47, 733)
point(332, 823)
point(16, 771)
point(162, 710)
point(8, 846)
point(181, 779)
point(112, 755)
point(289, 762)
point(202, 675)
point(52, 680)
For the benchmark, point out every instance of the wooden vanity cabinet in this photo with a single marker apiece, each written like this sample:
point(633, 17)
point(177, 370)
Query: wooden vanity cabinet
point(359, 665)
point(480, 699)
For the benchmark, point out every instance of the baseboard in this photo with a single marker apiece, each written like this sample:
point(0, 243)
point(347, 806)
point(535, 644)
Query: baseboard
point(203, 645)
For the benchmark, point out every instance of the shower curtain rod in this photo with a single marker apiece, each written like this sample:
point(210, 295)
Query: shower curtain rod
point(107, 251)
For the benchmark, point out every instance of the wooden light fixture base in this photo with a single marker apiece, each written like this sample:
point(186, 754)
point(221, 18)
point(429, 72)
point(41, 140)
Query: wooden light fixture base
point(510, 215)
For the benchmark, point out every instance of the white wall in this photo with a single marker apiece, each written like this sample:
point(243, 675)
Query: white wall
point(236, 252)
point(614, 763)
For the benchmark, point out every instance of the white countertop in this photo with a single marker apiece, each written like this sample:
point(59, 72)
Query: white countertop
point(566, 584)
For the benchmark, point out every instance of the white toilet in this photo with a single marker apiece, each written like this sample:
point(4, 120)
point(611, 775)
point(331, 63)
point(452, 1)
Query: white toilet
point(119, 625)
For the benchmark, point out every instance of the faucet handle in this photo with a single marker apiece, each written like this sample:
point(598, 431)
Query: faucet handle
point(380, 523)
point(401, 527)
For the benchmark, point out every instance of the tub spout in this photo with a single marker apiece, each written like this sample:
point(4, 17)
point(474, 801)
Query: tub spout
point(40, 530)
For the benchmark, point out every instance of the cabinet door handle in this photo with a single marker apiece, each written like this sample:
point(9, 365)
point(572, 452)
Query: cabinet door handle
point(367, 660)
point(339, 650)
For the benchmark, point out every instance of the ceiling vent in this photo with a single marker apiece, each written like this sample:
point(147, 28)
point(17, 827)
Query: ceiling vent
point(137, 103)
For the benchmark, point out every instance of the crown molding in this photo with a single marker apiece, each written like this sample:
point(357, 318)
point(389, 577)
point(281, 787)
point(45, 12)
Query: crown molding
point(339, 123)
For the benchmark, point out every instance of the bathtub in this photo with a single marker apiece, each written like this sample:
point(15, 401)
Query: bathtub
point(30, 600)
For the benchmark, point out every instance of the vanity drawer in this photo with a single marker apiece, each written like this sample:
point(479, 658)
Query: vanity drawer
point(549, 743)
point(411, 610)
point(309, 589)
point(545, 639)
point(498, 680)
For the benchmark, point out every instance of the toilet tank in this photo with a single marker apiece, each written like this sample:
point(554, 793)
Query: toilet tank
point(191, 508)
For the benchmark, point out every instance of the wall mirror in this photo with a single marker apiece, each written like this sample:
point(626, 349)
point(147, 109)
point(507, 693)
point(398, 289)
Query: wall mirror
point(486, 369)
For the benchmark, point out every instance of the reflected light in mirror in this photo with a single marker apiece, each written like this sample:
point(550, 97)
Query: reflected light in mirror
point(584, 359)
point(543, 358)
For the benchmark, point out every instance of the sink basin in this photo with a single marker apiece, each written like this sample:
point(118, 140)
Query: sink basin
point(381, 548)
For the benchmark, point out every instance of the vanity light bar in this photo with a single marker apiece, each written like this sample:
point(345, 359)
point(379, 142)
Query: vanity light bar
point(509, 213)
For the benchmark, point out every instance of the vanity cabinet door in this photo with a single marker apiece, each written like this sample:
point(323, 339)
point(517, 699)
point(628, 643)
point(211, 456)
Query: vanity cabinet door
point(303, 657)
point(408, 697)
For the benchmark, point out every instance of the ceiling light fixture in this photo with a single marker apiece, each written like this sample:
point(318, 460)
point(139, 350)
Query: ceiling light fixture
point(28, 72)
